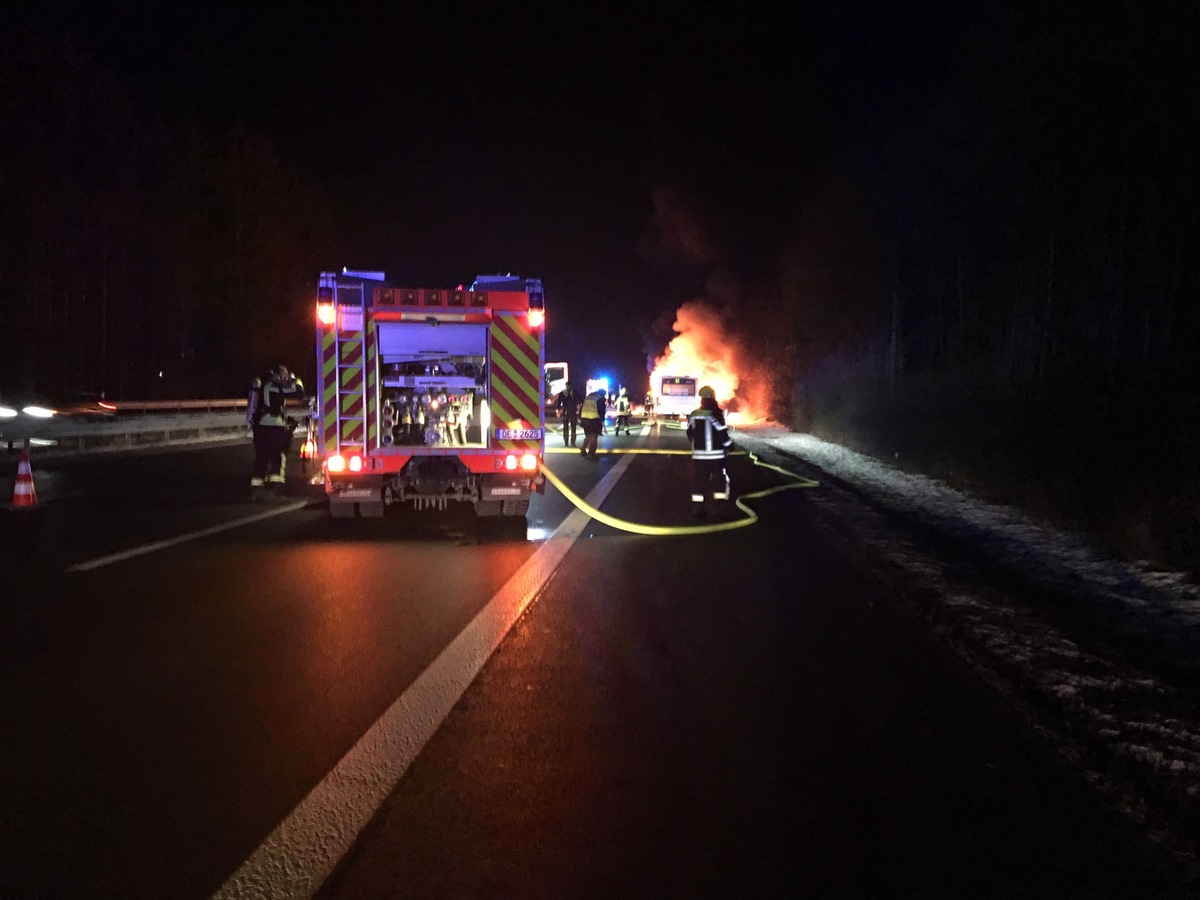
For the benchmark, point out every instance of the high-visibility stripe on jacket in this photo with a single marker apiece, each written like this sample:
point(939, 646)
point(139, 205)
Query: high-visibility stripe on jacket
point(708, 433)
point(590, 409)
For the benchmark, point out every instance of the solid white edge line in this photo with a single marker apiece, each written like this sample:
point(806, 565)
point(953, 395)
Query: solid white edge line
point(300, 853)
point(184, 538)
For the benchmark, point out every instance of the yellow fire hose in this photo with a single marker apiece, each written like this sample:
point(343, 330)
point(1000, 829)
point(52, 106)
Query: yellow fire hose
point(678, 530)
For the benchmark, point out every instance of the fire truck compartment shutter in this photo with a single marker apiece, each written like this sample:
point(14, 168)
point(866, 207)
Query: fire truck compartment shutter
point(412, 339)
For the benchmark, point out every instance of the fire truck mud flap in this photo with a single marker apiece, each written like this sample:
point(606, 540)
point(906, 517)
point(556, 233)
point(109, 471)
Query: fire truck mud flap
point(503, 496)
point(356, 503)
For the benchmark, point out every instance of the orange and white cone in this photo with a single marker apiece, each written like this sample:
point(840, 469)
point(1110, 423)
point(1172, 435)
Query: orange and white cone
point(24, 496)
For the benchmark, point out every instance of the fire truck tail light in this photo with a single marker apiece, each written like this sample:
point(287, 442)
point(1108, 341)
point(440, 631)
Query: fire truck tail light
point(529, 462)
point(510, 462)
point(336, 464)
point(326, 313)
point(356, 464)
point(537, 318)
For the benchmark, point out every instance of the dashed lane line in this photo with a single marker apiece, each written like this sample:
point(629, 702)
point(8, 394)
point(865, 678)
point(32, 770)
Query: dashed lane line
point(101, 561)
point(295, 859)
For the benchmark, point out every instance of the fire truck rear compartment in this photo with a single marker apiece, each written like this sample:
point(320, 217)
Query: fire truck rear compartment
point(435, 386)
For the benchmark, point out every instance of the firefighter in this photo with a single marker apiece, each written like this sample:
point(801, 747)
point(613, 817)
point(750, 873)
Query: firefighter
point(623, 410)
point(254, 404)
point(591, 418)
point(648, 407)
point(254, 412)
point(273, 434)
point(567, 405)
point(710, 439)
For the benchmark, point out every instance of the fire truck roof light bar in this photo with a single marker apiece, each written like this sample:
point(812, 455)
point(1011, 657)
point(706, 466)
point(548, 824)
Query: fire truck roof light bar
point(364, 273)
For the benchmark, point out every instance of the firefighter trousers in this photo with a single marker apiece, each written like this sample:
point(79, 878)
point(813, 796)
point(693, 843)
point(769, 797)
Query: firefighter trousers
point(709, 475)
point(591, 436)
point(271, 443)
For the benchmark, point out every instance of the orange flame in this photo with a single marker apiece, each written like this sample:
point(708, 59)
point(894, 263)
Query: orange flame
point(704, 348)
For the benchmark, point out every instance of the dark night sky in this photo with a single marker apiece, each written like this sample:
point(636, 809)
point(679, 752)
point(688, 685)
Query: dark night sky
point(457, 139)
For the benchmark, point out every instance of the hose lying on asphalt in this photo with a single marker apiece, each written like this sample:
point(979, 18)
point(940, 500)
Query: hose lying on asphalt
point(798, 481)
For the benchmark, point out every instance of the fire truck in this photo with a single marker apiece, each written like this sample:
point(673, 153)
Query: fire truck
point(430, 396)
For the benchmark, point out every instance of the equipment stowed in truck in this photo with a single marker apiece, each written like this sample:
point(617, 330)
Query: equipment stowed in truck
point(430, 396)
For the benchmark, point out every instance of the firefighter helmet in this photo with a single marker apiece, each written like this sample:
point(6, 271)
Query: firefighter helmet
point(707, 391)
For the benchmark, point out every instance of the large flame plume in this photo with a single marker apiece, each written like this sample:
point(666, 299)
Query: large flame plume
point(704, 348)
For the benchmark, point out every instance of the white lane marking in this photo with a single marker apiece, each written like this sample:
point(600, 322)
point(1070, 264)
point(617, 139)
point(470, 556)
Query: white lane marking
point(296, 858)
point(184, 538)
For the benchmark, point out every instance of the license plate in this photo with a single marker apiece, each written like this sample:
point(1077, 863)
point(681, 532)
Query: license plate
point(507, 492)
point(519, 434)
point(358, 492)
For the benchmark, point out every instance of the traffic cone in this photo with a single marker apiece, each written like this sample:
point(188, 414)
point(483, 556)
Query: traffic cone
point(24, 496)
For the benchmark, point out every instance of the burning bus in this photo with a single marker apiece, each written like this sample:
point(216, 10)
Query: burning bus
point(675, 396)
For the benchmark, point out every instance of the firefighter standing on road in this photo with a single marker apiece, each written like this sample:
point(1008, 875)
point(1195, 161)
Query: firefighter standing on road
point(591, 417)
point(254, 411)
point(623, 410)
point(254, 404)
point(710, 439)
point(568, 410)
point(273, 433)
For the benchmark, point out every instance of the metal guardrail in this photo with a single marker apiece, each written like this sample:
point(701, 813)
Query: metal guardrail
point(156, 406)
point(131, 425)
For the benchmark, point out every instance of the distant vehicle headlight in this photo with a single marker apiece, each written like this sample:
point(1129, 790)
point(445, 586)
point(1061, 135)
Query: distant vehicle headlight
point(38, 412)
point(7, 412)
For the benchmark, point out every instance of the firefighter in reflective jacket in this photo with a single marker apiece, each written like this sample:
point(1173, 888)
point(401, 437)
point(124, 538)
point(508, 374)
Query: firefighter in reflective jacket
point(273, 431)
point(591, 420)
point(710, 439)
point(623, 408)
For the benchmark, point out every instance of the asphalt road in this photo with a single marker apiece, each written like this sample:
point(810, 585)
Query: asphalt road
point(738, 713)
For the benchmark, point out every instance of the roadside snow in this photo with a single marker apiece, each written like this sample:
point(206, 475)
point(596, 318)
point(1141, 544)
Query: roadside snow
point(1135, 734)
point(1133, 584)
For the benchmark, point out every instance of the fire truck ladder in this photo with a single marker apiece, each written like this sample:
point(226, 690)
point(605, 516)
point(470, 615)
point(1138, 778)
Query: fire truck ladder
point(352, 375)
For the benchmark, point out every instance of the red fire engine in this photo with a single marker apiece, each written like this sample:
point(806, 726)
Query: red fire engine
point(430, 396)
